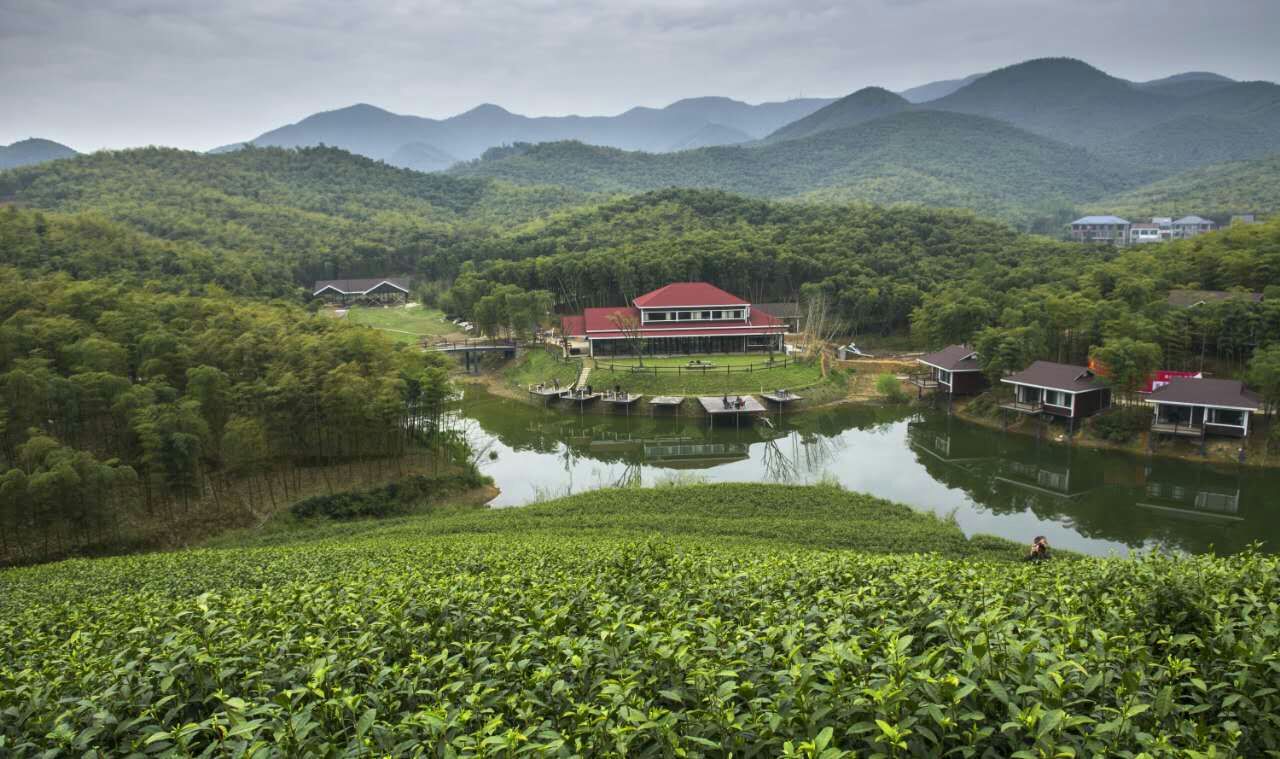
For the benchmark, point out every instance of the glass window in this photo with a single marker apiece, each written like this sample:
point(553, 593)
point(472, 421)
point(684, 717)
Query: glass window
point(684, 316)
point(706, 315)
point(1056, 398)
point(1226, 416)
point(658, 316)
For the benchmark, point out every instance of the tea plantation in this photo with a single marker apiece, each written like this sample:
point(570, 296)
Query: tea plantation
point(691, 621)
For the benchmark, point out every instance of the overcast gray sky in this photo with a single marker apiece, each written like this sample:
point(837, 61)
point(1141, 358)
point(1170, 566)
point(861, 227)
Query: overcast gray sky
point(118, 73)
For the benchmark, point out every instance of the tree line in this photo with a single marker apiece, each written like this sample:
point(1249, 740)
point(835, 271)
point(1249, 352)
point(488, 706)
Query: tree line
point(128, 410)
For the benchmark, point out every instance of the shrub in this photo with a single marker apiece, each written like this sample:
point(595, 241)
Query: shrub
point(890, 387)
point(393, 499)
point(1121, 425)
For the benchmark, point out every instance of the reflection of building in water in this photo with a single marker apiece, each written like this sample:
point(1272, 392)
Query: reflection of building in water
point(689, 455)
point(1046, 470)
point(941, 443)
point(1205, 495)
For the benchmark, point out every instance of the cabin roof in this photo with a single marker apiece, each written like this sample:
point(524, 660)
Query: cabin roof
point(1100, 220)
point(687, 294)
point(1192, 220)
point(1192, 391)
point(360, 286)
point(1068, 377)
point(953, 358)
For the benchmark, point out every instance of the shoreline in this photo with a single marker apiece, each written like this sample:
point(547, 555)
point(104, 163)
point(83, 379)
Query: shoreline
point(494, 383)
point(1138, 448)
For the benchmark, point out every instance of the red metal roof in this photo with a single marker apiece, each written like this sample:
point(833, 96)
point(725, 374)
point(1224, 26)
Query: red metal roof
point(573, 325)
point(688, 294)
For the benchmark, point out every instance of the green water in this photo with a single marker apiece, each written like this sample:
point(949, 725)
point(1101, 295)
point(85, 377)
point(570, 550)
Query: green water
point(1014, 486)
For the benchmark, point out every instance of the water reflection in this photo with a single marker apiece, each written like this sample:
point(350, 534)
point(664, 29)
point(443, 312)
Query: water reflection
point(992, 482)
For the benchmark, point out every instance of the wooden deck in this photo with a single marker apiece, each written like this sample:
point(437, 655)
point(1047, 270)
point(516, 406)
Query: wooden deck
point(547, 391)
point(1189, 430)
point(1023, 408)
point(624, 399)
point(580, 398)
point(781, 398)
point(714, 405)
point(666, 400)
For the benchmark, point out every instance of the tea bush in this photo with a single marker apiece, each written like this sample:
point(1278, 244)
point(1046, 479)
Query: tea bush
point(565, 629)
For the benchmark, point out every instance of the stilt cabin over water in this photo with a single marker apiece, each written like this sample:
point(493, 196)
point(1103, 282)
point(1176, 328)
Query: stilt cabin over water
point(1197, 407)
point(954, 370)
point(1065, 390)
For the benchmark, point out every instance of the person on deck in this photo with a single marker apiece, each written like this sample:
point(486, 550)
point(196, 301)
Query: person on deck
point(725, 400)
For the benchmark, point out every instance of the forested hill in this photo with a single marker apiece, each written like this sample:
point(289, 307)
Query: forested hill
point(308, 214)
point(875, 262)
point(32, 151)
point(926, 157)
point(1220, 190)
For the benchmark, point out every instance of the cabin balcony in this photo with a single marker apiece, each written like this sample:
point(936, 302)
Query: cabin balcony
point(1024, 407)
point(925, 381)
point(1177, 428)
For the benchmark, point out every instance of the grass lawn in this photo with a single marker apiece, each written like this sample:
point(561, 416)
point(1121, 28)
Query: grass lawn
point(405, 325)
point(539, 366)
point(712, 382)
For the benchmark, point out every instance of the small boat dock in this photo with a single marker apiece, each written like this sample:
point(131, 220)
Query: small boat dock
point(781, 397)
point(715, 407)
point(666, 401)
point(624, 400)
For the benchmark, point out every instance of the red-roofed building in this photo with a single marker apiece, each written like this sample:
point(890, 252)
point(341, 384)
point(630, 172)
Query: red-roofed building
point(681, 318)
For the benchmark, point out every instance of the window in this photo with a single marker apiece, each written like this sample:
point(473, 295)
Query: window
point(944, 376)
point(1227, 416)
point(1056, 398)
point(706, 315)
point(658, 316)
point(684, 316)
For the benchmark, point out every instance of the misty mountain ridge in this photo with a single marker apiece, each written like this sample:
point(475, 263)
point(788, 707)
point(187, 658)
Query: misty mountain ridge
point(31, 151)
point(374, 132)
point(864, 105)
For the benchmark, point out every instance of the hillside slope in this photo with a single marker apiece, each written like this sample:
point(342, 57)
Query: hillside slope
point(864, 105)
point(1219, 190)
point(573, 627)
point(927, 157)
point(32, 151)
point(322, 212)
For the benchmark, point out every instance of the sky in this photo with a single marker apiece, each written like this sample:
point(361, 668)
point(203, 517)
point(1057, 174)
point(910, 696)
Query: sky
point(123, 73)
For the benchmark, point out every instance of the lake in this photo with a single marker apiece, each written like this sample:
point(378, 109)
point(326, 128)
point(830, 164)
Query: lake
point(1014, 486)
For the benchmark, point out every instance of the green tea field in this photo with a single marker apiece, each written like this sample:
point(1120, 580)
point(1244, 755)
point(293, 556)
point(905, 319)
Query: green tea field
point(682, 621)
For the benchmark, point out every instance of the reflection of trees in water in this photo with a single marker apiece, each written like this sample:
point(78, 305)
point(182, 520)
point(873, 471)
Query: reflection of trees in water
point(778, 467)
point(810, 454)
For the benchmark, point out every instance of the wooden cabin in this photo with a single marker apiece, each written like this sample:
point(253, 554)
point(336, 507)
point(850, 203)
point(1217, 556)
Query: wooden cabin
point(1062, 390)
point(376, 291)
point(953, 370)
point(1197, 407)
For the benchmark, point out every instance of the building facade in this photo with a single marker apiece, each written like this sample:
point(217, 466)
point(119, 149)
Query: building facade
point(681, 318)
point(1063, 390)
point(953, 370)
point(1191, 226)
point(1110, 229)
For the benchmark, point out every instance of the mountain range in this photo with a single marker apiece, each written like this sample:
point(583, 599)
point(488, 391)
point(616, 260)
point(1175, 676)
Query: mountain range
point(32, 151)
point(437, 143)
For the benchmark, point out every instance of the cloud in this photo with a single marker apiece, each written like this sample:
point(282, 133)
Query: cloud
point(129, 72)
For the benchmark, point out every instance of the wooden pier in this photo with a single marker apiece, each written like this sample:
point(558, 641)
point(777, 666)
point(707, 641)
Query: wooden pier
point(782, 397)
point(666, 401)
point(624, 400)
point(580, 397)
point(715, 407)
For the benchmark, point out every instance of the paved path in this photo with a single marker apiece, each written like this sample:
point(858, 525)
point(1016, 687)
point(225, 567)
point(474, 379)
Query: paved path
point(583, 375)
